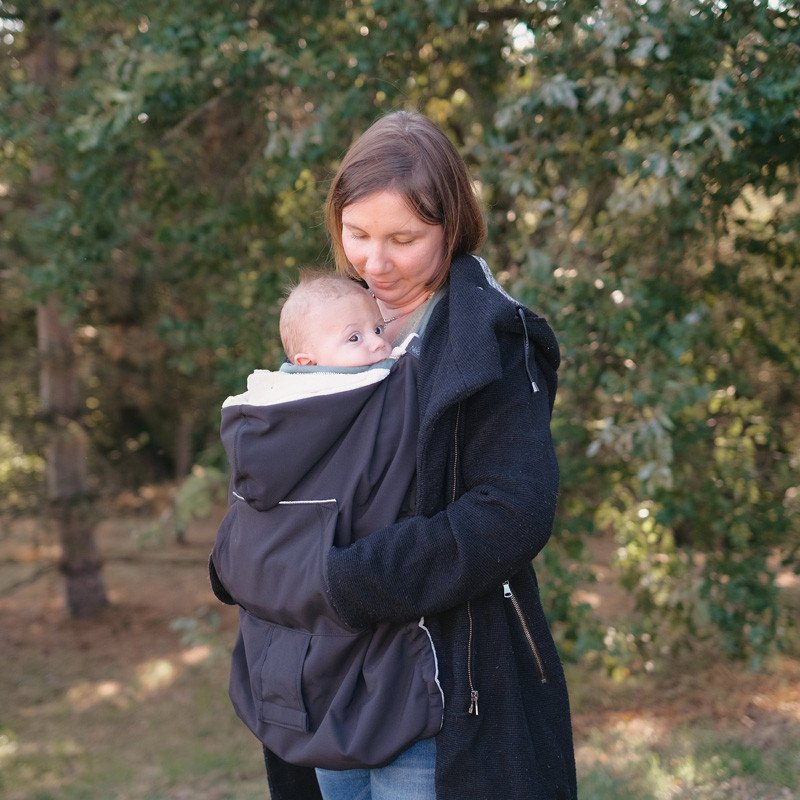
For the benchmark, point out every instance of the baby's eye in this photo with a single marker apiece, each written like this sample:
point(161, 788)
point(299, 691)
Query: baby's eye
point(379, 330)
point(355, 337)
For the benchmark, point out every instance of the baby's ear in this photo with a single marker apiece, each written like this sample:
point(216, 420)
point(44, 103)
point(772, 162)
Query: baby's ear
point(304, 360)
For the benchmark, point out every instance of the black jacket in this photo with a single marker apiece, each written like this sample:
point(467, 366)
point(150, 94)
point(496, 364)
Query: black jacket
point(487, 490)
point(321, 457)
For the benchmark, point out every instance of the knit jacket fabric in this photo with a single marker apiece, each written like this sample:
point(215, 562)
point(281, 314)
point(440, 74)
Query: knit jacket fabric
point(487, 485)
point(321, 457)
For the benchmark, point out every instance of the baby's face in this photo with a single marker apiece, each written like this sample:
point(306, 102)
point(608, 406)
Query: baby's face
point(347, 332)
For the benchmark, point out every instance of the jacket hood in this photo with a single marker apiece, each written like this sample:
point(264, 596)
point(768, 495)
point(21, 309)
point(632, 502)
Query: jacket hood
point(286, 421)
point(289, 422)
point(486, 314)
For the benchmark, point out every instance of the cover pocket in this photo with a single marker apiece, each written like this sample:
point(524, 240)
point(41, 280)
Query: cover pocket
point(342, 701)
point(280, 679)
point(267, 674)
point(272, 562)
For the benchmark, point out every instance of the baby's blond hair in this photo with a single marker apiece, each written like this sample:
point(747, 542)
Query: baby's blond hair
point(313, 287)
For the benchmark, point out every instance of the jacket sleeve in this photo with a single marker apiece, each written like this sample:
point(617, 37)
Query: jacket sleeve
point(502, 517)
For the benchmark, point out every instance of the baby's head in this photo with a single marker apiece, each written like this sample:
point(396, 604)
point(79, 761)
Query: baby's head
point(332, 321)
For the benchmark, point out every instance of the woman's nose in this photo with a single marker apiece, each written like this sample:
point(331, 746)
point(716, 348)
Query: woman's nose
point(376, 260)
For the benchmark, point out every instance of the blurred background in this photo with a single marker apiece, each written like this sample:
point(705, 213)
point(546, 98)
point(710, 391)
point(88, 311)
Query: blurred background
point(163, 169)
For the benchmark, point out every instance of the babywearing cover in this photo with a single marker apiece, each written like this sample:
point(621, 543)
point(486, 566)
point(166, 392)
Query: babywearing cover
point(320, 458)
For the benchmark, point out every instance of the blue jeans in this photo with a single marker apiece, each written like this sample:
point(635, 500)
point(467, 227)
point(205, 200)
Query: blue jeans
point(409, 777)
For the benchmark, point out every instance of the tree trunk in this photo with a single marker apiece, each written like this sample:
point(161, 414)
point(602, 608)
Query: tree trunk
point(68, 497)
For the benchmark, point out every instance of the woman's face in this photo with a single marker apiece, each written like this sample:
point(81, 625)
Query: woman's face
point(392, 249)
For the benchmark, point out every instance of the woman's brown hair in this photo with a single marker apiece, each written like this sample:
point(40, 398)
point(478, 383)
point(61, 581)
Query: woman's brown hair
point(405, 152)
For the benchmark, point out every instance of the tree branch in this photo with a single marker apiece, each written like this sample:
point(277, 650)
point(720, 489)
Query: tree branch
point(196, 114)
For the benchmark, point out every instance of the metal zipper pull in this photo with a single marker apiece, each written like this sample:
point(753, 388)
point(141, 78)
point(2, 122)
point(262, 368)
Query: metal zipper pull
point(507, 589)
point(473, 702)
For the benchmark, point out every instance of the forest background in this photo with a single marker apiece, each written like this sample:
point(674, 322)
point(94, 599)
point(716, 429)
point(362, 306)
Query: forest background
point(163, 168)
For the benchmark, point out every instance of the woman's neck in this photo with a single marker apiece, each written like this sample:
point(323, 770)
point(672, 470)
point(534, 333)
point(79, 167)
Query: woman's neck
point(396, 317)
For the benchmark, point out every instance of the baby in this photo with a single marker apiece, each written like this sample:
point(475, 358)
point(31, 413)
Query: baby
point(332, 321)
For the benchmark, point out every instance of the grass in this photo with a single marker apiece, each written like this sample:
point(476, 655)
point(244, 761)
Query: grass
point(134, 706)
point(731, 735)
point(163, 729)
point(109, 735)
point(694, 766)
point(110, 740)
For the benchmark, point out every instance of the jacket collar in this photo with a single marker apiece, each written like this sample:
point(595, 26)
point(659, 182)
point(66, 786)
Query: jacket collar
point(467, 322)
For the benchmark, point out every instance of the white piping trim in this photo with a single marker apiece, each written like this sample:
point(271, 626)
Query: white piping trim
point(305, 502)
point(421, 624)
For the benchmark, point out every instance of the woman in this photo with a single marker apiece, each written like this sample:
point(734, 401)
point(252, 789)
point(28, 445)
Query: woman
point(404, 218)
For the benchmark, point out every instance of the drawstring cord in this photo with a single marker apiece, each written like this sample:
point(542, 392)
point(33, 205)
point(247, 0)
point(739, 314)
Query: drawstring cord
point(526, 345)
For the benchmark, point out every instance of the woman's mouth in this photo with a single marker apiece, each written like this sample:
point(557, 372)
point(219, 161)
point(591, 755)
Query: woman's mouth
point(381, 288)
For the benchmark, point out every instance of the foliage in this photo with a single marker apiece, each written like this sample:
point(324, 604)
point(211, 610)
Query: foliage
point(658, 183)
point(197, 496)
point(18, 470)
point(22, 466)
point(197, 630)
point(638, 160)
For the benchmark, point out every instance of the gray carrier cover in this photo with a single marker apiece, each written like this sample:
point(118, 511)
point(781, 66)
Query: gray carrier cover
point(320, 459)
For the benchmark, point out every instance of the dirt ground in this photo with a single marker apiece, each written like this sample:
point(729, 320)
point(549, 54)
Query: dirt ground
point(152, 581)
point(130, 705)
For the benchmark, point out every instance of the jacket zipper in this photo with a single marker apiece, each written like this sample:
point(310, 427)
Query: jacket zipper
point(507, 593)
point(473, 692)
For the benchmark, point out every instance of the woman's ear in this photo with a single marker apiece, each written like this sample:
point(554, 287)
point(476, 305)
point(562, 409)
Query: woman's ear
point(304, 360)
